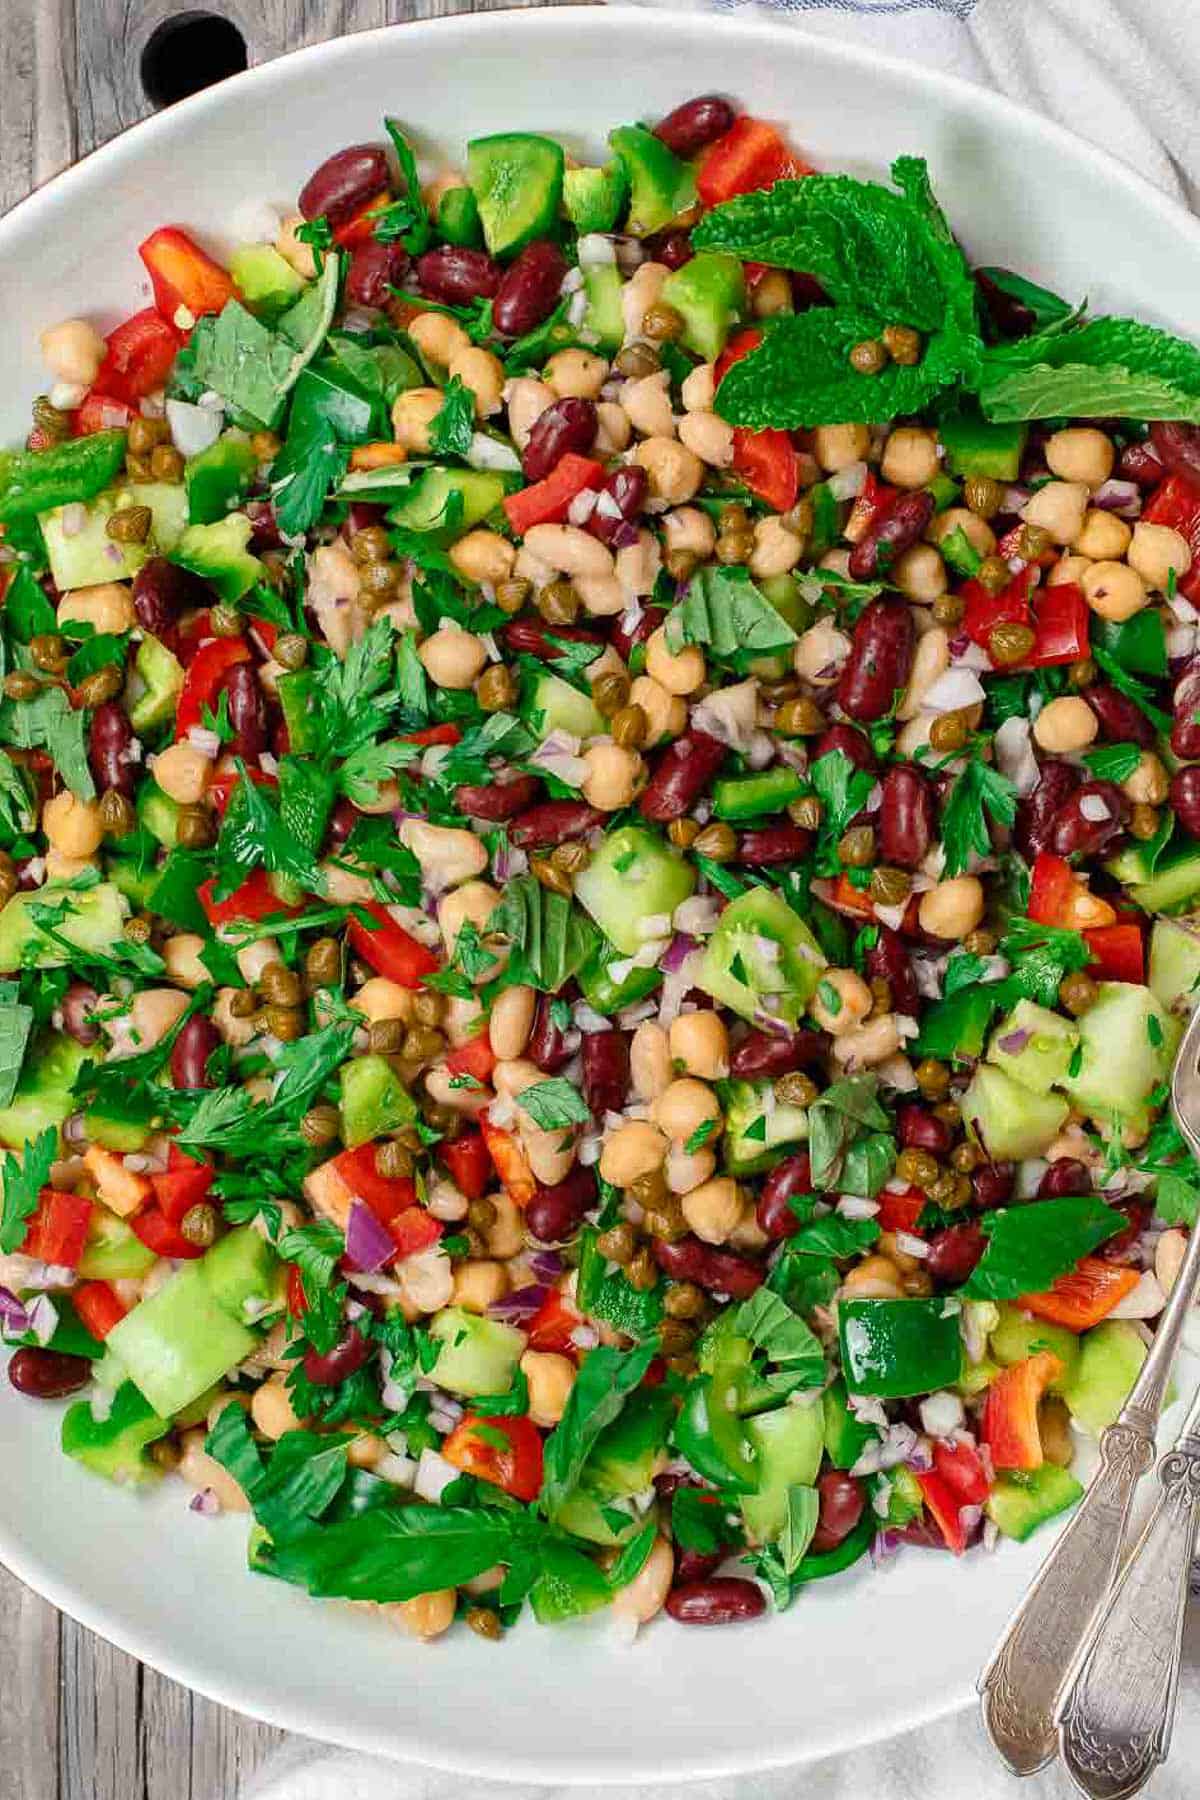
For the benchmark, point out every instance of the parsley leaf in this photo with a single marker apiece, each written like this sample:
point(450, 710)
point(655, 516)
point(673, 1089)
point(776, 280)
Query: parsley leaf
point(417, 233)
point(253, 834)
point(328, 414)
point(452, 429)
point(843, 790)
point(554, 1103)
point(1113, 762)
point(978, 789)
point(48, 722)
point(723, 610)
point(23, 1179)
point(316, 1250)
point(1029, 1247)
point(16, 1022)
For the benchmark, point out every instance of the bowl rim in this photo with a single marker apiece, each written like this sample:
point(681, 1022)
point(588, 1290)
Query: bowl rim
point(569, 21)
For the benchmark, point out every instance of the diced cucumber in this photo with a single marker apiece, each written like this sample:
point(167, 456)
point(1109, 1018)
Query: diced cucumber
point(554, 705)
point(605, 317)
point(1110, 1360)
point(596, 1521)
point(709, 293)
point(113, 1251)
point(976, 446)
point(1023, 1499)
point(374, 1100)
point(661, 186)
point(593, 198)
point(160, 673)
point(478, 1354)
point(1034, 1046)
point(43, 1095)
point(179, 1341)
point(1011, 1121)
point(220, 552)
point(1127, 1042)
point(1176, 880)
point(115, 1446)
point(244, 1275)
point(94, 922)
point(458, 218)
point(1175, 965)
point(86, 555)
point(633, 876)
point(267, 283)
point(762, 958)
point(445, 503)
point(517, 180)
point(788, 1444)
point(1017, 1336)
point(158, 813)
point(755, 1129)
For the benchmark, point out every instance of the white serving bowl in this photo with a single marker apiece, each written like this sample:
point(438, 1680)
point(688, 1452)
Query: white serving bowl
point(858, 1657)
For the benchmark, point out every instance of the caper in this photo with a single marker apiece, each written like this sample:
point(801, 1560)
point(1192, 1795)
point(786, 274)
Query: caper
point(663, 322)
point(982, 495)
point(285, 1022)
point(993, 574)
point(556, 880)
point(511, 595)
point(485, 1623)
point(1082, 673)
point(371, 545)
point(496, 689)
point(806, 812)
point(869, 356)
point(630, 728)
point(1010, 643)
point(795, 1089)
point(558, 603)
point(225, 621)
point(323, 963)
point(980, 942)
point(718, 842)
point(674, 1337)
point(48, 652)
point(1033, 541)
point(889, 886)
point(1144, 821)
point(642, 1272)
point(392, 1160)
point(428, 1007)
point(881, 996)
point(199, 1224)
point(386, 1037)
point(1078, 993)
point(799, 718)
point(117, 816)
point(129, 525)
point(610, 693)
point(950, 731)
point(291, 650)
point(683, 833)
point(618, 1244)
point(917, 1167)
point(280, 986)
point(902, 344)
point(933, 1078)
point(166, 464)
point(683, 1300)
point(637, 359)
point(19, 685)
point(482, 1214)
point(856, 847)
point(101, 685)
point(320, 1126)
point(194, 828)
point(948, 610)
point(734, 547)
point(965, 1157)
point(572, 857)
point(422, 1043)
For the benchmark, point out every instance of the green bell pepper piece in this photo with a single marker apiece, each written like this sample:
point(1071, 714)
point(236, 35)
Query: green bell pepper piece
point(898, 1348)
point(956, 1027)
point(115, 1446)
point(606, 996)
point(709, 1430)
point(34, 481)
point(819, 1563)
point(752, 796)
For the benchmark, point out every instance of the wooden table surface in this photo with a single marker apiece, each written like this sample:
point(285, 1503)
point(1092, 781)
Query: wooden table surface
point(79, 1720)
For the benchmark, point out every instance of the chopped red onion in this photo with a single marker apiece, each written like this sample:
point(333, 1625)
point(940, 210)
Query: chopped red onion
point(681, 947)
point(885, 1544)
point(1123, 497)
point(369, 1244)
point(43, 1319)
point(547, 1265)
point(516, 1307)
point(625, 535)
point(953, 690)
point(1015, 1041)
point(205, 1503)
point(855, 1206)
point(582, 506)
point(434, 1475)
point(13, 1317)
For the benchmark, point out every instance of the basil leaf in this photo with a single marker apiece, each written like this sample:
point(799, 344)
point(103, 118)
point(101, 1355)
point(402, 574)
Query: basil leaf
point(605, 1381)
point(16, 1022)
point(1029, 1247)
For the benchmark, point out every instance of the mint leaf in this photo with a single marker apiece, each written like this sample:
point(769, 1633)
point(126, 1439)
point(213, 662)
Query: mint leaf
point(1029, 1247)
point(396, 1553)
point(1106, 367)
point(978, 789)
point(782, 1335)
point(699, 1521)
point(551, 937)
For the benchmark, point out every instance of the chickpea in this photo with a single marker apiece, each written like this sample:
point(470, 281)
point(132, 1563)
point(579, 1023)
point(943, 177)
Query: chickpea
point(637, 566)
point(271, 1408)
point(438, 337)
point(569, 549)
point(684, 1106)
point(776, 549)
point(413, 413)
point(182, 773)
point(506, 1235)
point(699, 388)
point(688, 528)
point(441, 1089)
point(614, 433)
point(1149, 784)
point(977, 531)
point(1156, 550)
point(649, 1061)
point(1068, 569)
point(526, 399)
point(482, 373)
point(72, 825)
point(1058, 509)
point(838, 446)
point(181, 958)
point(452, 657)
point(871, 1043)
point(294, 251)
point(930, 661)
point(428, 1616)
point(772, 294)
point(700, 1042)
point(713, 1209)
point(204, 1473)
point(646, 403)
point(952, 908)
point(679, 671)
point(471, 904)
point(675, 472)
point(478, 1285)
point(1065, 724)
point(601, 595)
point(73, 352)
point(1114, 591)
point(820, 653)
point(108, 607)
point(448, 855)
point(483, 556)
point(1104, 537)
point(635, 1148)
point(709, 436)
point(550, 1154)
point(639, 295)
point(666, 714)
point(643, 1598)
point(920, 574)
point(511, 1021)
point(613, 777)
point(841, 1002)
point(576, 374)
point(687, 1169)
point(380, 998)
point(1080, 453)
point(461, 1017)
point(551, 1378)
point(910, 457)
point(875, 1278)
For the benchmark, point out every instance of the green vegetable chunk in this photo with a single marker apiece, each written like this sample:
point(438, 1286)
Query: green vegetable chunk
point(896, 1348)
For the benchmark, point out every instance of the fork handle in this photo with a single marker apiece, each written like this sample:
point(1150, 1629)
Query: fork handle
point(1117, 1709)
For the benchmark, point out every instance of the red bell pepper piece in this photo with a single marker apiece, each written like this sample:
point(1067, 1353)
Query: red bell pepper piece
point(220, 789)
point(468, 1164)
point(900, 1212)
point(205, 673)
point(184, 1183)
point(1050, 887)
point(985, 611)
point(509, 1161)
point(57, 1231)
point(1010, 1424)
point(849, 899)
point(876, 499)
point(98, 1307)
point(739, 345)
point(768, 464)
point(475, 1058)
point(361, 224)
point(506, 1452)
point(1118, 952)
point(944, 1505)
point(1083, 1297)
point(297, 1299)
point(1176, 502)
point(390, 950)
point(139, 357)
point(552, 1325)
point(433, 734)
point(414, 1231)
point(1060, 620)
point(255, 899)
point(182, 274)
point(386, 1195)
point(100, 412)
point(546, 502)
point(961, 1468)
point(157, 1232)
point(750, 155)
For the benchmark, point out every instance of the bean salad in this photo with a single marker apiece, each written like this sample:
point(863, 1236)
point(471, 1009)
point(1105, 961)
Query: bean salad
point(599, 797)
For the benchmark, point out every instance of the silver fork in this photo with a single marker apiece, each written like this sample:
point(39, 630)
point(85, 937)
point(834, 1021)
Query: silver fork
point(1048, 1634)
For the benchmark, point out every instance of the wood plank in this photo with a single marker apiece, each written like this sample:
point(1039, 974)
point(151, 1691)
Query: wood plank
point(29, 1682)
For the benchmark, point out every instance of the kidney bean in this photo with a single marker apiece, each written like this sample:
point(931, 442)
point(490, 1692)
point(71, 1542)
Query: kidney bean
point(772, 844)
point(528, 291)
point(1119, 718)
point(720, 1271)
point(722, 1600)
point(374, 267)
point(1185, 798)
point(605, 1080)
point(554, 1212)
point(553, 822)
point(625, 638)
point(1011, 317)
point(841, 1504)
point(992, 1184)
point(1185, 732)
point(905, 818)
point(850, 742)
point(79, 1000)
point(348, 1354)
point(924, 1532)
point(1177, 447)
point(954, 1252)
point(920, 1129)
point(547, 1045)
point(456, 276)
point(247, 713)
point(1072, 833)
point(501, 800)
point(191, 1051)
point(1118, 1249)
point(682, 773)
point(625, 489)
point(529, 637)
point(265, 526)
point(1063, 1177)
point(891, 533)
point(162, 591)
point(42, 1374)
point(343, 182)
point(879, 660)
point(888, 960)
point(694, 1565)
point(695, 124)
point(567, 425)
point(762, 1053)
point(670, 1481)
point(1035, 814)
point(1139, 463)
point(671, 248)
point(342, 821)
point(110, 736)
point(792, 1176)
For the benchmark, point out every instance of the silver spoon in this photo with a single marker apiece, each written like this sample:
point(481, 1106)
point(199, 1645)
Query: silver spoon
point(1048, 1633)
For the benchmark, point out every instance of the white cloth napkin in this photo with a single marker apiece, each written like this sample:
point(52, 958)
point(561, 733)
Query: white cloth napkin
point(1126, 74)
